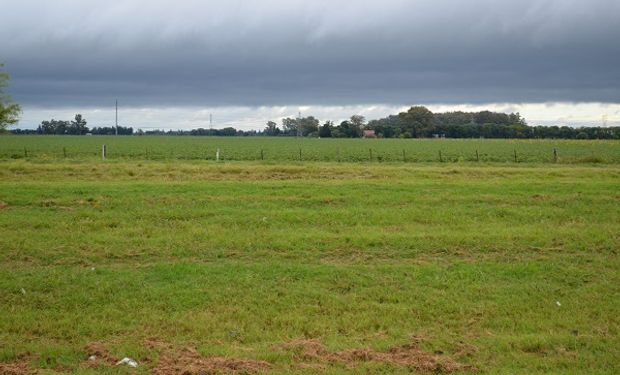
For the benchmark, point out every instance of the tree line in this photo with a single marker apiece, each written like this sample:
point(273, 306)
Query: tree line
point(417, 122)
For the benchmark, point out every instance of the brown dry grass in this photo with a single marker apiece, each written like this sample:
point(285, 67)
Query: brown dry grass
point(19, 367)
point(188, 361)
point(409, 355)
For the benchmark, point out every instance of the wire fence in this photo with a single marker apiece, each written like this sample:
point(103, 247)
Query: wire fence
point(313, 154)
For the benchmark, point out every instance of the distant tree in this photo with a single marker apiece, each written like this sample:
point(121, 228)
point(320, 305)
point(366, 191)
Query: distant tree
point(309, 126)
point(53, 127)
point(358, 121)
point(228, 132)
point(582, 135)
point(326, 130)
point(78, 126)
point(417, 121)
point(9, 110)
point(389, 127)
point(300, 126)
point(271, 129)
point(290, 126)
point(347, 129)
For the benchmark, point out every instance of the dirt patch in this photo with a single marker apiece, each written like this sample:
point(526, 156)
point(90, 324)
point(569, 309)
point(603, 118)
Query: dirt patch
point(188, 361)
point(20, 367)
point(3, 205)
point(98, 355)
point(410, 356)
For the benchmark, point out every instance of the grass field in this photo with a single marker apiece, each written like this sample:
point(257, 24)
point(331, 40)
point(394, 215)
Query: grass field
point(49, 148)
point(307, 267)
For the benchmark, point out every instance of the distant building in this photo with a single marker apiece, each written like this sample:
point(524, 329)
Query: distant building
point(369, 134)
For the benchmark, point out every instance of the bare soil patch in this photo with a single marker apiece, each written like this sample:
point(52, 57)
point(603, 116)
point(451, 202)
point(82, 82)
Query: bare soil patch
point(188, 361)
point(409, 355)
point(98, 355)
point(19, 367)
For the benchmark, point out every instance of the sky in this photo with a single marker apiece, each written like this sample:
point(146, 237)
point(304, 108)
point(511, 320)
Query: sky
point(173, 64)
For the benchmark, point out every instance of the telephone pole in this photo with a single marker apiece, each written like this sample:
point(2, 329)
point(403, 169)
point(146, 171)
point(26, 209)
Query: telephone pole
point(116, 128)
point(210, 121)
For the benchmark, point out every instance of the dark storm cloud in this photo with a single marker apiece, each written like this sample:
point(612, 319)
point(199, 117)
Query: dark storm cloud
point(313, 52)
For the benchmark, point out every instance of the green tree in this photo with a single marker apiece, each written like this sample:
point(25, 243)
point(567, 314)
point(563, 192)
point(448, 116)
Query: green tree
point(326, 130)
point(78, 126)
point(9, 110)
point(309, 126)
point(358, 122)
point(289, 126)
point(417, 120)
point(272, 128)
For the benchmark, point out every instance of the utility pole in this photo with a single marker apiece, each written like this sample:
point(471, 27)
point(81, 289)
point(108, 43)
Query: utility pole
point(299, 133)
point(116, 128)
point(210, 121)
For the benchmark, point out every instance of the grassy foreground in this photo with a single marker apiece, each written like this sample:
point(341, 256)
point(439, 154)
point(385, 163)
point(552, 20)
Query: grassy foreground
point(487, 269)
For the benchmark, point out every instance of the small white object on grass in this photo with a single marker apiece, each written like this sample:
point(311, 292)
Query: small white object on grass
point(558, 303)
point(127, 361)
point(23, 291)
point(92, 358)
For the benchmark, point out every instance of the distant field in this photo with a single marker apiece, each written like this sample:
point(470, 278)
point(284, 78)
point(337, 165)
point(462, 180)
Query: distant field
point(194, 267)
point(293, 149)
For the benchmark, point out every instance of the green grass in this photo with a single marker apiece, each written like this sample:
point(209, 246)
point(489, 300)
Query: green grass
point(237, 258)
point(45, 148)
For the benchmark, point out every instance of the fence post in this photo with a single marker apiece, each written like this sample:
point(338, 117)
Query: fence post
point(25, 152)
point(104, 152)
point(516, 160)
point(440, 157)
point(477, 156)
point(217, 155)
point(370, 151)
point(555, 155)
point(262, 155)
point(300, 154)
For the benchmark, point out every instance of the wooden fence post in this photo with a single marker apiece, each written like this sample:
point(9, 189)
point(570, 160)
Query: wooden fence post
point(217, 155)
point(104, 152)
point(370, 151)
point(477, 156)
point(555, 155)
point(516, 160)
point(262, 155)
point(440, 157)
point(300, 154)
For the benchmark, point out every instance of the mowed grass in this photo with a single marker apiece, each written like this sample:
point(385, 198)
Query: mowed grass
point(505, 268)
point(288, 149)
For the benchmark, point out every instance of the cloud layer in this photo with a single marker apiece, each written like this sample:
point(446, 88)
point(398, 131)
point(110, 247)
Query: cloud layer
point(286, 52)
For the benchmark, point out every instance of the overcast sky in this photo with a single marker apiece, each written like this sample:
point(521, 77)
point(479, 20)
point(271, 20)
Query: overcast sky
point(170, 64)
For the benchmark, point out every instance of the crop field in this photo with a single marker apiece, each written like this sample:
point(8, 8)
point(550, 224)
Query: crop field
point(277, 266)
point(293, 149)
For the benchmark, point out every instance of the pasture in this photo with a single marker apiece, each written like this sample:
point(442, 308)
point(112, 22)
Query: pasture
point(277, 266)
point(287, 149)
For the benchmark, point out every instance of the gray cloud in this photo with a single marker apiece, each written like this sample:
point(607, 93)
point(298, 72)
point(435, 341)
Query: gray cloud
point(278, 52)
